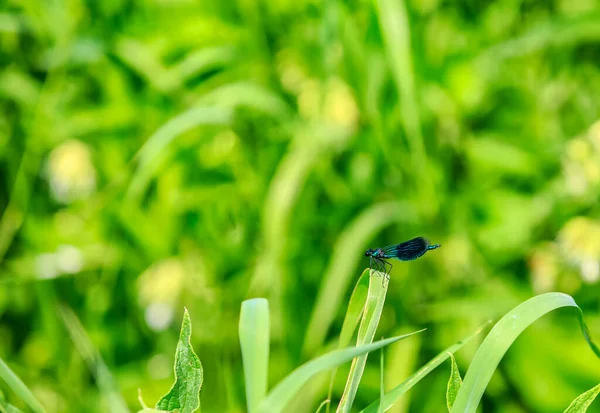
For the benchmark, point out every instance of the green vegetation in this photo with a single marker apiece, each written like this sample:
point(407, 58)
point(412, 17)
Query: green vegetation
point(162, 155)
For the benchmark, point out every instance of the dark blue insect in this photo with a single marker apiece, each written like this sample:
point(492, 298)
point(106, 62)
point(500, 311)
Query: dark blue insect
point(406, 251)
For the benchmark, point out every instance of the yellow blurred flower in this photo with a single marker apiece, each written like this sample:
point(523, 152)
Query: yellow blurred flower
point(575, 179)
point(592, 170)
point(162, 282)
point(159, 289)
point(590, 270)
point(340, 106)
point(309, 99)
point(333, 103)
point(578, 149)
point(594, 135)
point(290, 72)
point(544, 269)
point(580, 241)
point(70, 171)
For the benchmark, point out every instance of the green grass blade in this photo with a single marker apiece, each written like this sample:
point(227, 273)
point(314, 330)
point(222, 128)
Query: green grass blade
point(348, 251)
point(401, 361)
point(288, 387)
point(395, 31)
point(356, 306)
point(311, 145)
point(189, 374)
point(556, 32)
point(254, 341)
point(390, 397)
point(581, 403)
point(368, 325)
point(203, 61)
point(14, 382)
point(381, 388)
point(249, 95)
point(104, 379)
point(454, 383)
point(501, 337)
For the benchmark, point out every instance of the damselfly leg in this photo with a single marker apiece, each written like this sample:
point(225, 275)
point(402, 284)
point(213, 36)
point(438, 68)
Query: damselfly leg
point(380, 265)
point(387, 268)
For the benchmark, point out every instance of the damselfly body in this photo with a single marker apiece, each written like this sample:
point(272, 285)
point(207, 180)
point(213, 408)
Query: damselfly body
point(406, 251)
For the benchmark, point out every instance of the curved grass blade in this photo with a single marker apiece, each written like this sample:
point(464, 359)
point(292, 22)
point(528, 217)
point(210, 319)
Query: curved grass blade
point(390, 397)
point(347, 252)
point(454, 383)
point(150, 155)
point(378, 284)
point(323, 404)
point(288, 387)
point(581, 403)
point(254, 341)
point(203, 61)
point(501, 337)
point(247, 94)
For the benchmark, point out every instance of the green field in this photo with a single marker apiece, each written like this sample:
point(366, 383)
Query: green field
point(157, 155)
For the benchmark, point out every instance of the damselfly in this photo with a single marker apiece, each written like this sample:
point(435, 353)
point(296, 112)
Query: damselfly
point(406, 251)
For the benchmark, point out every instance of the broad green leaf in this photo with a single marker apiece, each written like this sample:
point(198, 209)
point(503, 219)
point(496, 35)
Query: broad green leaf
point(254, 341)
point(454, 383)
point(390, 397)
point(288, 387)
point(145, 408)
point(581, 403)
point(185, 393)
point(378, 284)
point(501, 337)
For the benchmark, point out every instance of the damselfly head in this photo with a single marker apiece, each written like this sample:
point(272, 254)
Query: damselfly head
point(369, 252)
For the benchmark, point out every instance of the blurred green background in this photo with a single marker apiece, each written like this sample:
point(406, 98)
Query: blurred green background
point(156, 154)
